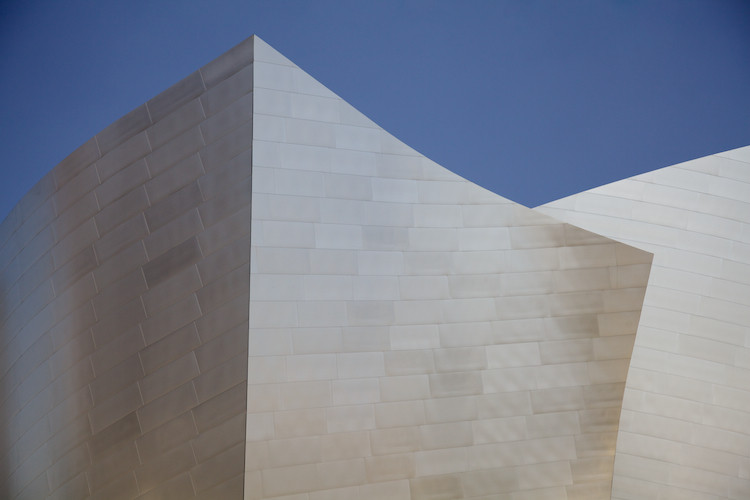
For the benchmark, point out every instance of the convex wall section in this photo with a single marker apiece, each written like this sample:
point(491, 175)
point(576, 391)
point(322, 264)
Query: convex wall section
point(124, 304)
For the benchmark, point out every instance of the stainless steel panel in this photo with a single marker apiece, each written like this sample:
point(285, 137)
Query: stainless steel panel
point(100, 319)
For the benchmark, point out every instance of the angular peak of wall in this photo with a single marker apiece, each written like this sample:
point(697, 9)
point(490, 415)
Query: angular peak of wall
point(123, 304)
point(413, 335)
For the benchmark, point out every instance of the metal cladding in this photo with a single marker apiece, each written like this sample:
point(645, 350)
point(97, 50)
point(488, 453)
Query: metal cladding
point(124, 304)
point(246, 289)
point(685, 423)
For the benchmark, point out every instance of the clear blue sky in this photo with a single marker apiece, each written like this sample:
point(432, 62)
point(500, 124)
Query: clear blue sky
point(534, 100)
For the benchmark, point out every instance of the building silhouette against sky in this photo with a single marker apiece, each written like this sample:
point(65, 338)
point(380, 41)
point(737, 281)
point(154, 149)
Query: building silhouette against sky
point(244, 288)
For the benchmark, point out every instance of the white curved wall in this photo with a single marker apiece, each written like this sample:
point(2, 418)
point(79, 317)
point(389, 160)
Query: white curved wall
point(685, 427)
point(412, 335)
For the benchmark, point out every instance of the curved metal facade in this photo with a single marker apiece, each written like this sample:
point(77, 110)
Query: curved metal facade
point(124, 304)
point(246, 289)
point(685, 426)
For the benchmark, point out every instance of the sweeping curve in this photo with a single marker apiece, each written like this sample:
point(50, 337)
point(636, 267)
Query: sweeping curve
point(684, 426)
point(245, 288)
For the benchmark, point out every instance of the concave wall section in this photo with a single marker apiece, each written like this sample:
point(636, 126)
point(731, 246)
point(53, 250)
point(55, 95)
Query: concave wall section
point(123, 304)
point(685, 428)
point(412, 335)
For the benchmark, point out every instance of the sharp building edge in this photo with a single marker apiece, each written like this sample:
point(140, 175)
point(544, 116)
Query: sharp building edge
point(246, 289)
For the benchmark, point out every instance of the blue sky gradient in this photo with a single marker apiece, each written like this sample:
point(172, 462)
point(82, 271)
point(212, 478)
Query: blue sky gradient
point(534, 100)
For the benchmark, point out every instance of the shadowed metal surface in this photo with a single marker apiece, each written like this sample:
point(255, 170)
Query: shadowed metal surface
point(124, 289)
